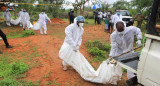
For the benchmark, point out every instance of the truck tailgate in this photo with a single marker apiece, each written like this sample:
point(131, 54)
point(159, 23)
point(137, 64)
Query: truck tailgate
point(129, 61)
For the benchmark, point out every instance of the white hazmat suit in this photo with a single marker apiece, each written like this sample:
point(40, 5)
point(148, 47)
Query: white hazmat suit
point(25, 20)
point(20, 16)
point(116, 18)
point(121, 43)
point(106, 73)
point(7, 16)
point(42, 22)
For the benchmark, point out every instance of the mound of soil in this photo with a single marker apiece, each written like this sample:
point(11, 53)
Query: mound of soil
point(57, 21)
point(1, 19)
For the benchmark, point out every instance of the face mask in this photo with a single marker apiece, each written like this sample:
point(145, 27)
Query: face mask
point(81, 24)
point(118, 13)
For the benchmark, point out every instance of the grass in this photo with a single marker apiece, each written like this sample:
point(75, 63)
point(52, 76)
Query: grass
point(47, 75)
point(18, 34)
point(98, 50)
point(13, 66)
point(10, 71)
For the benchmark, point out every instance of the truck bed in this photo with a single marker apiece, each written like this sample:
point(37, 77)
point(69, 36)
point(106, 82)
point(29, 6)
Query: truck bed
point(129, 61)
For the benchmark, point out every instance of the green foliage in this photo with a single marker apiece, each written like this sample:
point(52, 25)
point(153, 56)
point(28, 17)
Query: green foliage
point(99, 45)
point(19, 68)
point(28, 32)
point(18, 34)
point(98, 50)
point(142, 4)
point(124, 70)
point(121, 4)
point(8, 82)
point(9, 72)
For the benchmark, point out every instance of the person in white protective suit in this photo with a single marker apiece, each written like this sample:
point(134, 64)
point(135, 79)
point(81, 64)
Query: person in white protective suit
point(20, 14)
point(116, 17)
point(122, 40)
point(7, 16)
point(70, 54)
point(42, 22)
point(25, 19)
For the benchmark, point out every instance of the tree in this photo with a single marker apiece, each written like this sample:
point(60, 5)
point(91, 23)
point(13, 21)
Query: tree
point(79, 4)
point(142, 5)
point(121, 5)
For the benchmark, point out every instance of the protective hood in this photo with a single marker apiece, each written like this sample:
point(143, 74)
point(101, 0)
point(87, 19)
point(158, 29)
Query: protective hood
point(75, 20)
point(43, 13)
point(116, 27)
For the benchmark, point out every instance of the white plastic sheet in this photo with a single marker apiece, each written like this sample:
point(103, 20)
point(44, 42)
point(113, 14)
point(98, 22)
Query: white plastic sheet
point(16, 22)
point(106, 73)
point(36, 26)
point(29, 25)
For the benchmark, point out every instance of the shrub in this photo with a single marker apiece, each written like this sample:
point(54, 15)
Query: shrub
point(27, 33)
point(19, 68)
point(8, 82)
point(96, 52)
point(107, 47)
point(99, 45)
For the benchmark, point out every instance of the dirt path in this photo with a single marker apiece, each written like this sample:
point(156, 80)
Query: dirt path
point(49, 68)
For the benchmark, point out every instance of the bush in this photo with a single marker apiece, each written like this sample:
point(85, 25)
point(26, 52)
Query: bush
point(8, 82)
point(19, 68)
point(99, 45)
point(107, 47)
point(27, 33)
point(96, 52)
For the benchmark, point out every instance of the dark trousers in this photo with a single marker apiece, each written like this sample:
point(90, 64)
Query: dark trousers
point(96, 20)
point(110, 26)
point(71, 19)
point(4, 38)
point(99, 20)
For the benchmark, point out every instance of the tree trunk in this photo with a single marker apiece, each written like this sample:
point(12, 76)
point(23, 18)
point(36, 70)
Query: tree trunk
point(83, 9)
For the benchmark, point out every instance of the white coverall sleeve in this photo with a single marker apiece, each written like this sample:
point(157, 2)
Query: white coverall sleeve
point(4, 14)
point(10, 15)
point(80, 40)
point(69, 32)
point(48, 18)
point(137, 32)
point(114, 45)
point(113, 18)
point(28, 17)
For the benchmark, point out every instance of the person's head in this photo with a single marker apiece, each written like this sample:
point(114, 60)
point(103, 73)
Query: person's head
point(109, 12)
point(70, 9)
point(139, 13)
point(120, 26)
point(7, 9)
point(24, 10)
point(118, 12)
point(80, 21)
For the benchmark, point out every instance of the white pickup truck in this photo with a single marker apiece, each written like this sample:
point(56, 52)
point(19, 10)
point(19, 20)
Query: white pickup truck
point(146, 65)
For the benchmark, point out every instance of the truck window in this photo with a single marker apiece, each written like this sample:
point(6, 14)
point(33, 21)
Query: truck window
point(124, 13)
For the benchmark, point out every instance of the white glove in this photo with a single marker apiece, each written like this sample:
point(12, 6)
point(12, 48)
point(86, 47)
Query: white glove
point(75, 48)
point(138, 43)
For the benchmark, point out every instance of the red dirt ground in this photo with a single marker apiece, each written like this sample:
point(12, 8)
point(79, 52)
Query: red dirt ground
point(57, 21)
point(49, 46)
